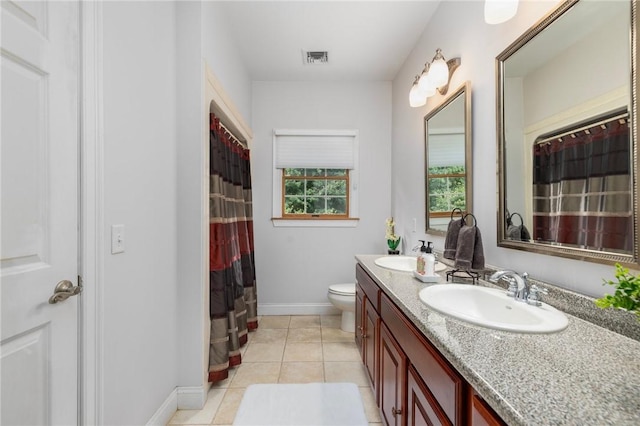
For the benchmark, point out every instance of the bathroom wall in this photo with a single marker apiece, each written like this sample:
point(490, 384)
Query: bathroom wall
point(219, 51)
point(459, 29)
point(139, 286)
point(201, 37)
point(295, 266)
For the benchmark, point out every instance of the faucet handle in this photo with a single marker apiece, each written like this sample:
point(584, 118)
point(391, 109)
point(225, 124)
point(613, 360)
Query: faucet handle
point(534, 295)
point(513, 287)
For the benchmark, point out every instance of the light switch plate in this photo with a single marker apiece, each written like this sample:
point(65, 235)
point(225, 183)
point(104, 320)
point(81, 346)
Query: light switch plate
point(117, 239)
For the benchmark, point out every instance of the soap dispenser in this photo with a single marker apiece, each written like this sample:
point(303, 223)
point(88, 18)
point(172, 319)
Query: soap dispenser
point(421, 259)
point(429, 259)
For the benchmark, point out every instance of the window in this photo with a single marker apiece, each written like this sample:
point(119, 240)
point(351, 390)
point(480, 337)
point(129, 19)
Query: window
point(315, 193)
point(315, 178)
point(446, 189)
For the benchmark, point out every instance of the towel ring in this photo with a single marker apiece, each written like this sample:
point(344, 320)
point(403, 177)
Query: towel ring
point(475, 221)
point(454, 210)
point(516, 214)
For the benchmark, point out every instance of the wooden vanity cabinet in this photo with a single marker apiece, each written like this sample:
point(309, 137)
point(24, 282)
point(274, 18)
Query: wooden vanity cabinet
point(435, 383)
point(413, 383)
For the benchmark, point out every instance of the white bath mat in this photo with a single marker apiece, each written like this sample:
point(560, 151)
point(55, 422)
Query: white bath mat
point(312, 404)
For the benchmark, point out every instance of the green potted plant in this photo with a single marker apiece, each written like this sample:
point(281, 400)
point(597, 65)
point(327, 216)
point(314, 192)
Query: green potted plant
point(393, 240)
point(627, 294)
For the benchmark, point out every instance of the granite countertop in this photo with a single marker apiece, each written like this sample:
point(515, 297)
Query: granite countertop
point(583, 375)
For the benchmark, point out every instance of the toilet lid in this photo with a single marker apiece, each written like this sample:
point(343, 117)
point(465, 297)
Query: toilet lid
point(343, 289)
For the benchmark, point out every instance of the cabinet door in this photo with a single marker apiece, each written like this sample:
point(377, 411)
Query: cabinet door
point(422, 408)
point(359, 332)
point(370, 341)
point(393, 368)
point(482, 414)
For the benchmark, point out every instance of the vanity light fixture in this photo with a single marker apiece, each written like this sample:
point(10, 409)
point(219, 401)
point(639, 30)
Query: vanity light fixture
point(499, 11)
point(435, 77)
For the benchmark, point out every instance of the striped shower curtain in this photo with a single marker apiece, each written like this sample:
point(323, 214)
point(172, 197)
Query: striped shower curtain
point(582, 186)
point(233, 301)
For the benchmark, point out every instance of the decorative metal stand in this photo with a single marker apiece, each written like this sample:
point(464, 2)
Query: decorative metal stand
point(460, 273)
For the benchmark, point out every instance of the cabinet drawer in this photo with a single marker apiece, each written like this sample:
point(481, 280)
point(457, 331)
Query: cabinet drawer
point(369, 287)
point(444, 383)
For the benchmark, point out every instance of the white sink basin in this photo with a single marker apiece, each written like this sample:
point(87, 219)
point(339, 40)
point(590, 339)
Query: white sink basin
point(403, 263)
point(492, 308)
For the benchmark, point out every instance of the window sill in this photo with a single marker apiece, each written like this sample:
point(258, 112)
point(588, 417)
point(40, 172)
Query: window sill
point(314, 223)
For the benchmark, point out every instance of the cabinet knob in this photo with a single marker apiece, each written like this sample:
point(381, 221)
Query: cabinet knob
point(395, 412)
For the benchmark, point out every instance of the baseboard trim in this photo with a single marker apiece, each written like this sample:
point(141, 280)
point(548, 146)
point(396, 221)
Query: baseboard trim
point(297, 309)
point(166, 410)
point(181, 398)
point(192, 397)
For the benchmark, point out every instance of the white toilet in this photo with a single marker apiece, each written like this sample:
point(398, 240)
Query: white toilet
point(343, 297)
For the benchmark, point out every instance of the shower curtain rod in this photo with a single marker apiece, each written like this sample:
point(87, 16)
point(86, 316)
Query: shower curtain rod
point(235, 139)
point(548, 139)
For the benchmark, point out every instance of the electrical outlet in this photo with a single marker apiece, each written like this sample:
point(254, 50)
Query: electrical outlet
point(117, 239)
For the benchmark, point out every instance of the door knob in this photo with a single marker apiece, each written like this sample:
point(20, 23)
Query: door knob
point(64, 290)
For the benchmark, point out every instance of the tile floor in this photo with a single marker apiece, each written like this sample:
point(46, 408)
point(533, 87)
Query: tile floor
point(287, 349)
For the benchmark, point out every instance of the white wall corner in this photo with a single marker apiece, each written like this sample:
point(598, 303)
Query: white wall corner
point(192, 397)
point(168, 408)
point(297, 309)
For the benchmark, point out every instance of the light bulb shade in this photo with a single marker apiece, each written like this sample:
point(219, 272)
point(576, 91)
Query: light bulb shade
point(499, 11)
point(439, 70)
point(425, 84)
point(439, 73)
point(416, 97)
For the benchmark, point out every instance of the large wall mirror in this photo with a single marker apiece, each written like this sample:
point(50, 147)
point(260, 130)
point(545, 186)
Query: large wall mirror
point(567, 134)
point(447, 130)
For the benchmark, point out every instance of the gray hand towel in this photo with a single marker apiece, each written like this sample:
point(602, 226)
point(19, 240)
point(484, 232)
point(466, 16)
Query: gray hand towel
point(451, 239)
point(465, 247)
point(478, 252)
point(513, 232)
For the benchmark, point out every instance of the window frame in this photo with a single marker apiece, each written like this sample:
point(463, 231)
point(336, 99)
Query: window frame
point(280, 219)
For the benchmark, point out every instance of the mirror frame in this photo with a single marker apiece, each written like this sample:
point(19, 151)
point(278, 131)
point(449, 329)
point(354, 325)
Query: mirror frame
point(605, 257)
point(465, 91)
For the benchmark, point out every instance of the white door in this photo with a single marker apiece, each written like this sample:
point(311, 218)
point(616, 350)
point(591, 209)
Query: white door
point(39, 233)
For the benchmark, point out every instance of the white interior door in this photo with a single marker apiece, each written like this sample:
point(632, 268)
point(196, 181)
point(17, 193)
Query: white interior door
point(39, 234)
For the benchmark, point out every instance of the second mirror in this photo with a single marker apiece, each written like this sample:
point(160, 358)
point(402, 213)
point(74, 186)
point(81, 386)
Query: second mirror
point(448, 159)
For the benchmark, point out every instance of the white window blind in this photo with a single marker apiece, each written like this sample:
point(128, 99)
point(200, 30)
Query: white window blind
point(331, 151)
point(446, 150)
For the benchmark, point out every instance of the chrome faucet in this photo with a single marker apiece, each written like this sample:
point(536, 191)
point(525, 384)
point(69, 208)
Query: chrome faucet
point(518, 285)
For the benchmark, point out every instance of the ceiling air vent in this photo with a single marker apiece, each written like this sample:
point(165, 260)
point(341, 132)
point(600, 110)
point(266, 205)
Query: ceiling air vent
point(315, 58)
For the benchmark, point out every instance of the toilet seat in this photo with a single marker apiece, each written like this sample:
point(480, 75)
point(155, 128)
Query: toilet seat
point(343, 289)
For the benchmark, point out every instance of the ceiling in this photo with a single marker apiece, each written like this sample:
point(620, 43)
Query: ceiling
point(366, 40)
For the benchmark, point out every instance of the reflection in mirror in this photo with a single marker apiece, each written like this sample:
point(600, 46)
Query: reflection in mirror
point(567, 134)
point(448, 159)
